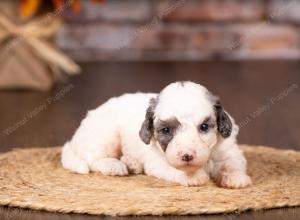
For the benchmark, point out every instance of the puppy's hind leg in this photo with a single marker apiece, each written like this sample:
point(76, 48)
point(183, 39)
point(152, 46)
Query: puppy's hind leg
point(97, 141)
point(103, 155)
point(72, 162)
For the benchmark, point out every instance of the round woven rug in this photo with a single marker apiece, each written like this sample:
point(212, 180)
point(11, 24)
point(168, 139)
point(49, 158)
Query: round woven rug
point(34, 178)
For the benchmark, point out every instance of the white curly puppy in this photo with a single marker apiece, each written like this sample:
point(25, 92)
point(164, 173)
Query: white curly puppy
point(181, 135)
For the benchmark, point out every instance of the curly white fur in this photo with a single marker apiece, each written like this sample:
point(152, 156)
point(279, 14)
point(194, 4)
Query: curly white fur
point(108, 140)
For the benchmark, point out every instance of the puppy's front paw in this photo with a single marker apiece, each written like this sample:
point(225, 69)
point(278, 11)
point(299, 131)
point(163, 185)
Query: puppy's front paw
point(133, 165)
point(110, 167)
point(234, 180)
point(116, 168)
point(197, 179)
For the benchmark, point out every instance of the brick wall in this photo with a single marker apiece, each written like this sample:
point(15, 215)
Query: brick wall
point(183, 30)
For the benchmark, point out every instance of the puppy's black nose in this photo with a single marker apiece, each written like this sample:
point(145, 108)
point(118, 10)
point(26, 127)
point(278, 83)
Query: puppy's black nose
point(187, 157)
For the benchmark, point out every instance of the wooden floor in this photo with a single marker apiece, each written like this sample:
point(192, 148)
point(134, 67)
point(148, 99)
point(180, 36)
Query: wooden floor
point(263, 97)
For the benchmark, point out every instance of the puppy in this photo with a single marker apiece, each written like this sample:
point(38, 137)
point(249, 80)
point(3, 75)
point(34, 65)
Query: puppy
point(182, 135)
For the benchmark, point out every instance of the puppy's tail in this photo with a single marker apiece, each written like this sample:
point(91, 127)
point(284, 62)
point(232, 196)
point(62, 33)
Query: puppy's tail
point(72, 162)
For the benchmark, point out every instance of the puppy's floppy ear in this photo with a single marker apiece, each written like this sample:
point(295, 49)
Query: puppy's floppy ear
point(147, 128)
point(223, 121)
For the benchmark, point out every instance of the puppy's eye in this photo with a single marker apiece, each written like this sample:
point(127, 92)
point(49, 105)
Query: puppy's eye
point(166, 131)
point(204, 127)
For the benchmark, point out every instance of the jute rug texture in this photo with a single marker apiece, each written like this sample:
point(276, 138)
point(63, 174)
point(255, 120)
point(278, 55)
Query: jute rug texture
point(34, 178)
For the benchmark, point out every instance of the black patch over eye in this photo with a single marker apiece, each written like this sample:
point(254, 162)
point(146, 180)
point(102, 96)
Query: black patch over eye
point(204, 127)
point(166, 131)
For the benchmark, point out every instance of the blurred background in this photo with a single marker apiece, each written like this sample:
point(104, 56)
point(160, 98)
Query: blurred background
point(183, 30)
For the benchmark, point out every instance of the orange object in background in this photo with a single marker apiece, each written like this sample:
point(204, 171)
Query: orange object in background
point(30, 7)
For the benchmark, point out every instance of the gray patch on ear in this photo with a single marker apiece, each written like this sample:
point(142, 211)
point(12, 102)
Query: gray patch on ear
point(223, 121)
point(147, 129)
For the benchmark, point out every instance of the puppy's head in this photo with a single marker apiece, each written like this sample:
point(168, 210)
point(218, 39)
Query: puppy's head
point(185, 121)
